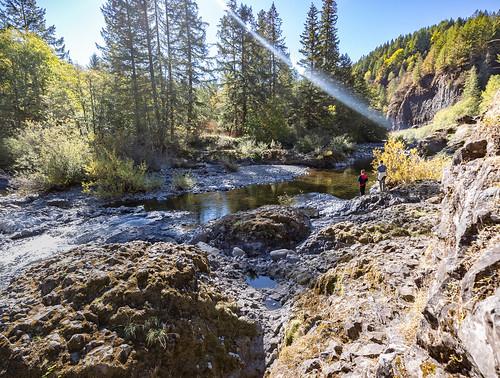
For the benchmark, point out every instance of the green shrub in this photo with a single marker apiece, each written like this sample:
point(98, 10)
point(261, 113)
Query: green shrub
point(292, 331)
point(55, 154)
point(309, 143)
point(487, 97)
point(183, 181)
point(111, 176)
point(250, 149)
point(342, 144)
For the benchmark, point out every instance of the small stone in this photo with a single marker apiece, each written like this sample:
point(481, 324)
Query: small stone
point(309, 366)
point(407, 294)
point(352, 329)
point(77, 342)
point(74, 358)
point(125, 351)
point(59, 202)
point(370, 350)
point(208, 248)
point(279, 254)
point(238, 252)
point(303, 278)
point(292, 258)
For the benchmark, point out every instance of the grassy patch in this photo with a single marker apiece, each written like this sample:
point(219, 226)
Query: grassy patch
point(183, 181)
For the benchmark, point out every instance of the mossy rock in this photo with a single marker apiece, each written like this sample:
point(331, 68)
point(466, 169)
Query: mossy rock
point(127, 310)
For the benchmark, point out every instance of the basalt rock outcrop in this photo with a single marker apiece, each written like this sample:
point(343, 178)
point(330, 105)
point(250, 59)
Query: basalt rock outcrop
point(462, 317)
point(258, 231)
point(419, 103)
point(130, 310)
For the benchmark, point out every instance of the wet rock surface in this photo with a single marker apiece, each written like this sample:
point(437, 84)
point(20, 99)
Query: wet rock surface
point(39, 226)
point(4, 181)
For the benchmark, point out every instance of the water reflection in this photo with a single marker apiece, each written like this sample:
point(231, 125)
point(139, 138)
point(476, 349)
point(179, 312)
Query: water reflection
point(261, 282)
point(214, 205)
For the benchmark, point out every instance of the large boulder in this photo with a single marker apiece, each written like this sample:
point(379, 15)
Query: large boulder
point(433, 144)
point(131, 310)
point(258, 231)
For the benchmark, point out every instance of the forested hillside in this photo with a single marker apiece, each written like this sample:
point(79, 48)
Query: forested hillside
point(415, 75)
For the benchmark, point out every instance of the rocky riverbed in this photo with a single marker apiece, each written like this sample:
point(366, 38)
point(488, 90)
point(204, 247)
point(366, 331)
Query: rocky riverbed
point(36, 227)
point(322, 287)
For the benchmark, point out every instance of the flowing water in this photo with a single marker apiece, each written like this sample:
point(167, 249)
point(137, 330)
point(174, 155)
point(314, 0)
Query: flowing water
point(213, 205)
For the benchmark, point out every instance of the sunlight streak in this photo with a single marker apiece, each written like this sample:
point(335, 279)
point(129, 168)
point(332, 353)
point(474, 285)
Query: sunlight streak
point(330, 86)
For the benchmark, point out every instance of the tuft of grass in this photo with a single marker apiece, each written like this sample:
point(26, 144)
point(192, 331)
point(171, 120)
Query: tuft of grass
point(292, 332)
point(130, 331)
point(183, 181)
point(156, 333)
point(286, 200)
point(411, 326)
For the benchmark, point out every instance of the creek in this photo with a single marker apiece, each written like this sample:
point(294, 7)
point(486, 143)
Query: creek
point(214, 205)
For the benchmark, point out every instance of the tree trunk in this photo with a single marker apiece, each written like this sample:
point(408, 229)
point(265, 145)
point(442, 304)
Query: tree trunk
point(135, 87)
point(151, 64)
point(189, 47)
point(161, 127)
point(170, 89)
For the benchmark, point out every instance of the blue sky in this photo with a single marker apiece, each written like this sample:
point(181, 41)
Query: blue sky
point(363, 24)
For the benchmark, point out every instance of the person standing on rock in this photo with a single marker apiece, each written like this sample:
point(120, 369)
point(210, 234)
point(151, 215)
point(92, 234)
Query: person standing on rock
point(362, 179)
point(381, 175)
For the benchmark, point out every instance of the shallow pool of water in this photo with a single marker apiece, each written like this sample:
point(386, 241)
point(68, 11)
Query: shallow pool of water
point(261, 282)
point(214, 205)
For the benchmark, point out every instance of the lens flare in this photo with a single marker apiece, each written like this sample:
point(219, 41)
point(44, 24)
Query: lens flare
point(330, 86)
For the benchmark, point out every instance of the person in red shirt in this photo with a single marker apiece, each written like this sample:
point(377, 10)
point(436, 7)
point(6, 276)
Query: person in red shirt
point(362, 179)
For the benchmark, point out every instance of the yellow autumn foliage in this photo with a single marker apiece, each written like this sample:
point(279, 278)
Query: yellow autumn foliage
point(406, 166)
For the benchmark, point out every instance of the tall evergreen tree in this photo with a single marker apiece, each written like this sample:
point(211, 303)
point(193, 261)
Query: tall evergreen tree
point(26, 15)
point(328, 38)
point(228, 50)
point(310, 96)
point(123, 55)
point(145, 25)
point(168, 42)
point(238, 64)
point(192, 54)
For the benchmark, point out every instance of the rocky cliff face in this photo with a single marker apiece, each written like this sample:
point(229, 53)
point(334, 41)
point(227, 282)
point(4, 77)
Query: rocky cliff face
point(418, 104)
point(461, 327)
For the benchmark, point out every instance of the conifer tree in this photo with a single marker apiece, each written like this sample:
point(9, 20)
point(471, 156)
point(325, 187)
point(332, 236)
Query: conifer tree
point(310, 97)
point(124, 56)
point(328, 38)
point(472, 92)
point(27, 16)
point(192, 53)
point(238, 65)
